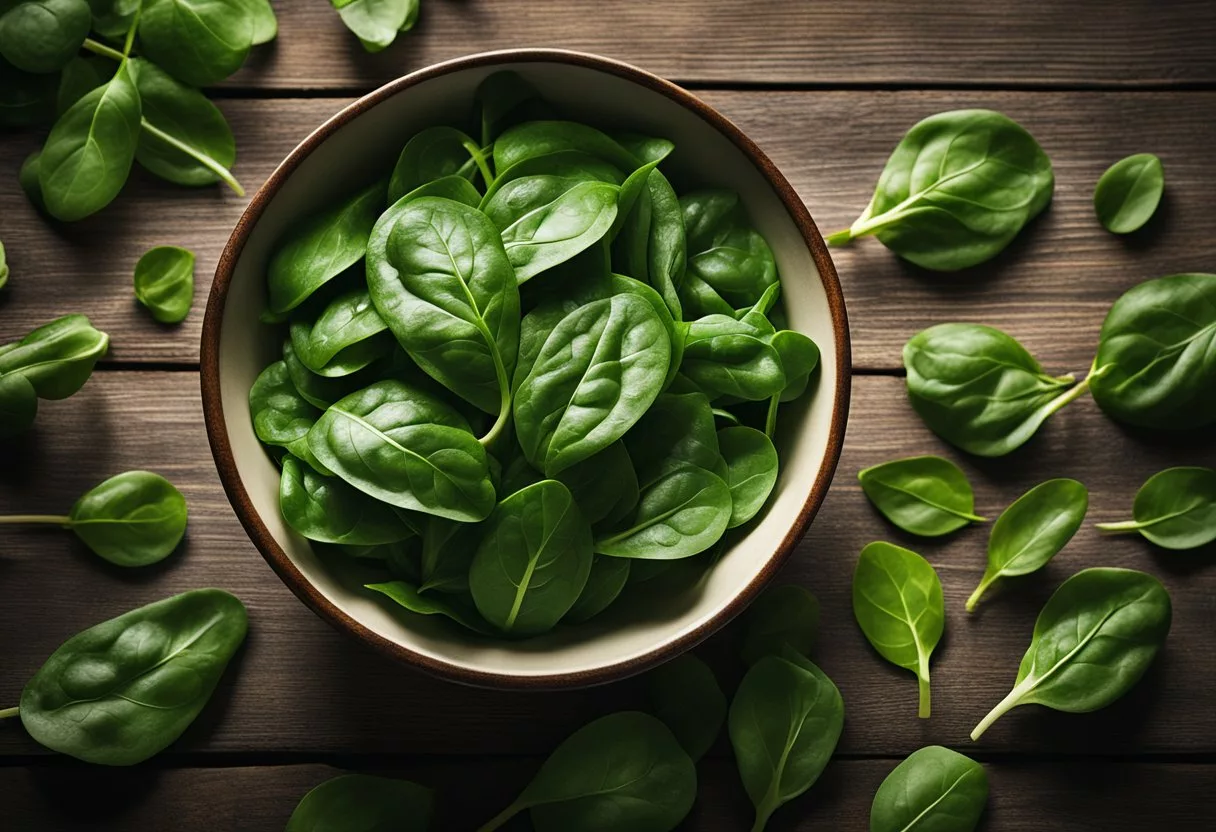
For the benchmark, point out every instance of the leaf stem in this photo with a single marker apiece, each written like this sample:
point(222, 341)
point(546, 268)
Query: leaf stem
point(1003, 707)
point(9, 712)
point(206, 161)
point(839, 238)
point(923, 706)
point(770, 419)
point(979, 591)
point(1124, 527)
point(99, 48)
point(1072, 395)
point(479, 158)
point(501, 818)
point(130, 41)
point(25, 519)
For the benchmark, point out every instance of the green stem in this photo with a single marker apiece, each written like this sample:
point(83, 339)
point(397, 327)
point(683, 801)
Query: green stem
point(8, 712)
point(25, 519)
point(979, 591)
point(1125, 527)
point(1072, 395)
point(130, 41)
point(99, 48)
point(1002, 708)
point(206, 161)
point(839, 238)
point(479, 158)
point(501, 818)
point(763, 813)
point(770, 419)
point(922, 683)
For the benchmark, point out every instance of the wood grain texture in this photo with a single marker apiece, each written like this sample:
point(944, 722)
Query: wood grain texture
point(1051, 288)
point(1047, 797)
point(330, 695)
point(787, 41)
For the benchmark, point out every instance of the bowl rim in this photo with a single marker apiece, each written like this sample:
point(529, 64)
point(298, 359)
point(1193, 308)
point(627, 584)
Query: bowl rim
point(277, 558)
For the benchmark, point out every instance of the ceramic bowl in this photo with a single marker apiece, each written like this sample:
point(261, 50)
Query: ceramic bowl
point(362, 141)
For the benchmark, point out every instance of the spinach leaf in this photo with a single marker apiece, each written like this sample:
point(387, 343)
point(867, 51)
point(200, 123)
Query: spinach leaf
point(199, 42)
point(122, 690)
point(897, 600)
point(281, 416)
point(343, 338)
point(651, 243)
point(1127, 195)
point(112, 18)
point(539, 180)
point(533, 560)
point(1175, 509)
point(164, 283)
point(329, 510)
point(406, 448)
point(604, 485)
point(784, 723)
point(439, 277)
point(455, 187)
point(1032, 531)
point(925, 495)
point(934, 789)
point(597, 371)
point(407, 596)
point(622, 771)
point(979, 389)
point(607, 578)
point(80, 76)
point(727, 357)
point(1156, 363)
point(505, 99)
point(184, 138)
point(322, 247)
point(729, 263)
point(553, 232)
point(540, 138)
point(18, 404)
point(782, 616)
point(751, 466)
point(26, 98)
point(363, 803)
point(377, 22)
point(265, 24)
point(686, 696)
point(3, 267)
point(90, 150)
point(646, 149)
point(432, 154)
point(957, 189)
point(43, 35)
point(448, 548)
point(133, 519)
point(1092, 642)
point(320, 391)
point(56, 358)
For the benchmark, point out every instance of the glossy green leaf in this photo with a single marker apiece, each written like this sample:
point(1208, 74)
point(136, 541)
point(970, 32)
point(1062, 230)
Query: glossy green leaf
point(1129, 192)
point(262, 17)
point(1156, 363)
point(432, 154)
point(727, 357)
point(751, 465)
point(784, 723)
point(540, 138)
point(686, 696)
point(505, 99)
point(344, 338)
point(553, 232)
point(79, 77)
point(377, 22)
point(408, 597)
point(782, 616)
point(897, 600)
point(363, 803)
point(604, 485)
point(540, 180)
point(329, 510)
point(729, 263)
point(56, 358)
point(320, 391)
point(133, 519)
point(199, 42)
point(448, 548)
point(164, 283)
point(42, 35)
point(533, 560)
point(112, 18)
point(925, 495)
point(933, 790)
point(979, 389)
point(1175, 509)
point(1092, 642)
point(121, 691)
point(281, 416)
point(605, 582)
point(957, 189)
point(18, 404)
point(1032, 531)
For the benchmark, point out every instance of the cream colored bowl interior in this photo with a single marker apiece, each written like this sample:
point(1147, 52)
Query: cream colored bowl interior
point(366, 147)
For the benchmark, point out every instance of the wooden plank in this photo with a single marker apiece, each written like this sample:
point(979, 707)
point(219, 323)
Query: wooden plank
point(788, 41)
point(300, 687)
point(1045, 797)
point(1051, 289)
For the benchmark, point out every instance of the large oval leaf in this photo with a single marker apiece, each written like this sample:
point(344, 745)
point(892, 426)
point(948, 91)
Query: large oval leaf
point(1175, 509)
point(329, 510)
point(56, 358)
point(934, 790)
point(554, 231)
point(363, 803)
point(135, 518)
point(925, 495)
point(200, 42)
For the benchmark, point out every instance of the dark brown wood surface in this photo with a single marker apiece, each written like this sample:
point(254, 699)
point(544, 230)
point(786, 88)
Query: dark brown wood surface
point(826, 90)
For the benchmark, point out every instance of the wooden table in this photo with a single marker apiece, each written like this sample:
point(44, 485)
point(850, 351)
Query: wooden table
point(826, 89)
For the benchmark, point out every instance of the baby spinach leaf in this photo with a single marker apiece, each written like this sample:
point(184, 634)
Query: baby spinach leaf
point(505, 99)
point(622, 771)
point(784, 724)
point(133, 519)
point(89, 151)
point(432, 154)
point(782, 616)
point(1092, 642)
point(1127, 195)
point(646, 149)
point(406, 448)
point(597, 371)
point(80, 76)
point(43, 35)
point(979, 389)
point(533, 560)
point(265, 24)
point(751, 464)
point(934, 789)
point(322, 247)
point(448, 548)
point(539, 180)
point(607, 578)
point(26, 98)
point(727, 357)
point(799, 358)
point(553, 232)
point(321, 391)
point(199, 42)
point(343, 338)
point(678, 431)
point(729, 263)
point(112, 18)
point(651, 244)
point(377, 22)
point(439, 277)
point(897, 600)
point(408, 597)
point(363, 803)
point(957, 189)
point(184, 138)
point(1156, 363)
point(686, 696)
point(1032, 530)
point(455, 187)
point(164, 283)
point(281, 416)
point(121, 691)
point(1175, 509)
point(540, 138)
point(604, 484)
point(56, 358)
point(925, 495)
point(18, 404)
point(329, 510)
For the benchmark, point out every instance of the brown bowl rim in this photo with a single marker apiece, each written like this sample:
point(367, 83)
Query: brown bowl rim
point(221, 449)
